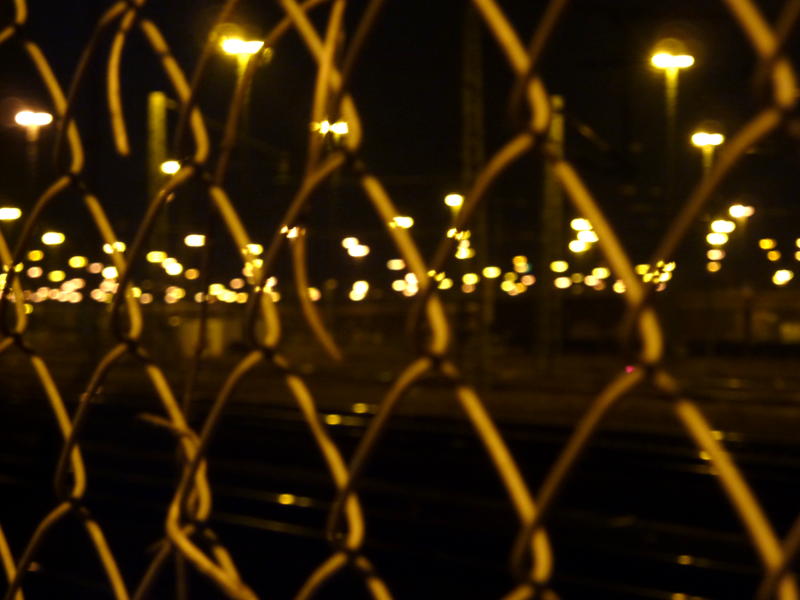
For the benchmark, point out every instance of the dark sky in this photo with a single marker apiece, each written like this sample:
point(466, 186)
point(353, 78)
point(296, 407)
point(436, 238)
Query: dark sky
point(407, 88)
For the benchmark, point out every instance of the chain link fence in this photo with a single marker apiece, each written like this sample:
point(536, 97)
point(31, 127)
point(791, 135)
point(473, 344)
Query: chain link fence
point(333, 149)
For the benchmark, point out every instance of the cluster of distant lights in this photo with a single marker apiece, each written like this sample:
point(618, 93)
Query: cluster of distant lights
point(780, 276)
point(718, 237)
point(585, 236)
point(73, 289)
point(513, 282)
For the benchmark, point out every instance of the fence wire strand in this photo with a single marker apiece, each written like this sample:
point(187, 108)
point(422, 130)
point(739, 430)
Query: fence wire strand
point(187, 535)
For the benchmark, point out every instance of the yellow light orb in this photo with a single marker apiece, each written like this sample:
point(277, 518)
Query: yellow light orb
point(53, 238)
point(402, 222)
point(782, 277)
point(470, 278)
point(195, 240)
point(773, 256)
point(78, 262)
point(580, 224)
point(562, 283)
point(722, 226)
point(717, 239)
point(578, 246)
point(29, 118)
point(703, 139)
point(156, 256)
point(559, 266)
point(741, 211)
point(358, 250)
point(236, 46)
point(173, 268)
point(454, 200)
point(170, 167)
point(9, 213)
point(667, 60)
point(767, 243)
point(491, 272)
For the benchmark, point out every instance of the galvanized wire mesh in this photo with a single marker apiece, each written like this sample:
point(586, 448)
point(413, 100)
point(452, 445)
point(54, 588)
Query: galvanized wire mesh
point(187, 533)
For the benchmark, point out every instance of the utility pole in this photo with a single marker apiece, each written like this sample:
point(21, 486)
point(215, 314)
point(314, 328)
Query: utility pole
point(156, 155)
point(472, 159)
point(548, 334)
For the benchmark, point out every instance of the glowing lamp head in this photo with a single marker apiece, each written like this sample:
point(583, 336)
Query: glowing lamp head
point(667, 60)
point(52, 238)
point(717, 238)
point(782, 276)
point(454, 200)
point(238, 47)
point(9, 213)
point(740, 211)
point(722, 226)
point(578, 246)
point(580, 224)
point(29, 118)
point(402, 222)
point(703, 139)
point(170, 167)
point(195, 240)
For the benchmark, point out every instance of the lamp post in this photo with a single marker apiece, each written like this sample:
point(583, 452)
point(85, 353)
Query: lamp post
point(8, 214)
point(243, 50)
point(454, 202)
point(671, 57)
point(32, 121)
point(741, 213)
point(707, 142)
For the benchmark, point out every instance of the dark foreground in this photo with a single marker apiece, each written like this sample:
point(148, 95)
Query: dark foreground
point(642, 517)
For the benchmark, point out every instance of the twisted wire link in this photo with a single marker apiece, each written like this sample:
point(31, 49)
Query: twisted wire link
point(640, 308)
point(16, 572)
point(187, 533)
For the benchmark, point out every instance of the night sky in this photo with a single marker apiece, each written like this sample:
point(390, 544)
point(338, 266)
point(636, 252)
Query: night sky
point(407, 88)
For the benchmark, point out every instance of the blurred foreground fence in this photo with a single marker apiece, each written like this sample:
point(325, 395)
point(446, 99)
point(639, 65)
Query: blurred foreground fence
point(335, 148)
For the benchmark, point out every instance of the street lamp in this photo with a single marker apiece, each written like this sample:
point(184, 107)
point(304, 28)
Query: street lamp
point(454, 202)
point(170, 167)
point(53, 238)
point(195, 240)
point(671, 56)
point(671, 59)
point(243, 50)
point(707, 142)
point(741, 211)
point(32, 121)
point(9, 213)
